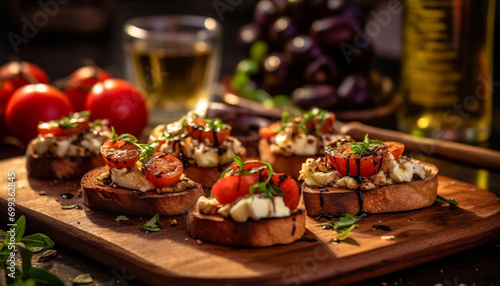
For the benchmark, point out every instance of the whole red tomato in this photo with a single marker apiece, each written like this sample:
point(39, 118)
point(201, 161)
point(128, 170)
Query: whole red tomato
point(31, 104)
point(81, 82)
point(21, 73)
point(120, 103)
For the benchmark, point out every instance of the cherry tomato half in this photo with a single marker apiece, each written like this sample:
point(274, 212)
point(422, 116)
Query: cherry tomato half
point(199, 129)
point(228, 189)
point(31, 104)
point(355, 165)
point(268, 132)
point(254, 168)
point(120, 154)
point(288, 185)
point(163, 170)
point(67, 126)
point(395, 148)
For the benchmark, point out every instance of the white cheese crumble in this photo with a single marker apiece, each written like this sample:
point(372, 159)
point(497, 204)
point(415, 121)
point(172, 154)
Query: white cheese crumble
point(256, 208)
point(133, 179)
point(315, 173)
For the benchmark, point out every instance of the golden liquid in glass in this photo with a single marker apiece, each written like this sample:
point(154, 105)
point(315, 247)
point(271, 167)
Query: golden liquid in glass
point(173, 81)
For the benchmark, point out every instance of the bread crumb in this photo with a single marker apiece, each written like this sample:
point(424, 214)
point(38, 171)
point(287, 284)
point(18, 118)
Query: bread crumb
point(186, 239)
point(199, 242)
point(42, 193)
point(388, 237)
point(445, 205)
point(173, 222)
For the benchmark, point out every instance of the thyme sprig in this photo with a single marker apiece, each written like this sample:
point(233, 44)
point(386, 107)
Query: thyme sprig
point(147, 150)
point(345, 223)
point(312, 114)
point(266, 188)
point(366, 146)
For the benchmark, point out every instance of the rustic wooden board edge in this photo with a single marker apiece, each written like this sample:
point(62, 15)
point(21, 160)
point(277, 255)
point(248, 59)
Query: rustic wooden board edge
point(91, 246)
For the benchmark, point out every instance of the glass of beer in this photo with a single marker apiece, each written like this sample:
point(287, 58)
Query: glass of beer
point(174, 60)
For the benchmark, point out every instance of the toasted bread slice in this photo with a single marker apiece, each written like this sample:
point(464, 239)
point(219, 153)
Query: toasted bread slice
point(263, 233)
point(289, 165)
point(392, 198)
point(60, 168)
point(206, 177)
point(130, 202)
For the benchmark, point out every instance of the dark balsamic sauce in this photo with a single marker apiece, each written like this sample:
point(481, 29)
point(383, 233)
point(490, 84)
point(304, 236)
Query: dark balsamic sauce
point(325, 216)
point(293, 229)
point(381, 227)
point(306, 239)
point(67, 196)
point(321, 200)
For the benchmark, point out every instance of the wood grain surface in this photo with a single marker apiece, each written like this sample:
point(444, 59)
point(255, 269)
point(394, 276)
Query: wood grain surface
point(170, 257)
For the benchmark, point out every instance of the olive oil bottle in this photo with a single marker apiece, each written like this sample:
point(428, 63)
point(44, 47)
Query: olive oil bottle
point(447, 63)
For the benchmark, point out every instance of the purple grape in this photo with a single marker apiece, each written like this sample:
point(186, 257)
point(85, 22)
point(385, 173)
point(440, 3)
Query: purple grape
point(354, 11)
point(332, 31)
point(322, 70)
point(300, 13)
point(275, 69)
point(280, 5)
point(353, 91)
point(248, 34)
point(300, 50)
point(324, 8)
point(281, 31)
point(320, 95)
point(265, 14)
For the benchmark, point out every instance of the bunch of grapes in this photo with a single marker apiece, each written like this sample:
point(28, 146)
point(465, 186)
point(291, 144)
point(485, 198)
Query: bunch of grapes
point(309, 53)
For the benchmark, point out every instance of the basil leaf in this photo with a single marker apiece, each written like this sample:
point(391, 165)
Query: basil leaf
point(18, 230)
point(44, 278)
point(26, 255)
point(121, 218)
point(346, 232)
point(37, 242)
point(153, 224)
point(450, 201)
point(83, 279)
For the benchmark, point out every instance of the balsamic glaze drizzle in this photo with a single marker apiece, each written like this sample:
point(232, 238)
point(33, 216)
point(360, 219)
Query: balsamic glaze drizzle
point(381, 227)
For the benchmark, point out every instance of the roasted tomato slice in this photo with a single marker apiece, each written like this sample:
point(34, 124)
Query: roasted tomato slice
point(268, 132)
point(212, 130)
point(346, 162)
point(395, 148)
point(228, 189)
point(163, 170)
point(120, 154)
point(67, 126)
point(288, 185)
point(252, 168)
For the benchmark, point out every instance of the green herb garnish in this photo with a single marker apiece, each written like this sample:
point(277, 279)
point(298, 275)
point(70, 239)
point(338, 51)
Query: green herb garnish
point(366, 146)
point(153, 224)
point(83, 279)
point(216, 124)
point(345, 223)
point(450, 201)
point(147, 150)
point(15, 244)
point(121, 218)
point(266, 188)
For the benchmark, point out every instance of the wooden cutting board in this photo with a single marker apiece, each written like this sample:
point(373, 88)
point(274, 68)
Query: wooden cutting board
point(170, 257)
